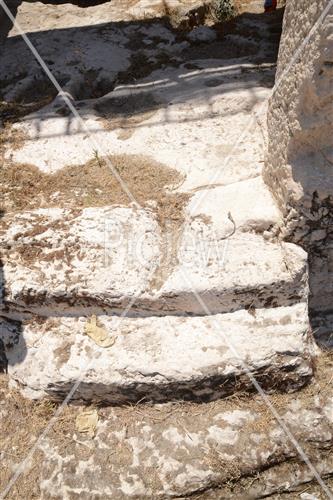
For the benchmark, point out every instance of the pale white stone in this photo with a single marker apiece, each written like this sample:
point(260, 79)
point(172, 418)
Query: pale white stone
point(103, 258)
point(204, 145)
point(249, 202)
point(162, 357)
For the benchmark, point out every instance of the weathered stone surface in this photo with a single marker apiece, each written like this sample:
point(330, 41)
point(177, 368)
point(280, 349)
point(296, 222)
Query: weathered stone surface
point(165, 129)
point(67, 265)
point(172, 451)
point(166, 358)
point(300, 150)
point(249, 202)
point(34, 15)
point(60, 259)
point(100, 259)
point(301, 104)
point(88, 53)
point(232, 273)
point(203, 104)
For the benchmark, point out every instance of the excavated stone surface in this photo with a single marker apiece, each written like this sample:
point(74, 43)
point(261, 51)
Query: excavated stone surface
point(160, 121)
point(98, 260)
point(185, 102)
point(249, 202)
point(237, 453)
point(300, 150)
point(163, 359)
point(62, 259)
point(243, 271)
point(70, 16)
point(143, 88)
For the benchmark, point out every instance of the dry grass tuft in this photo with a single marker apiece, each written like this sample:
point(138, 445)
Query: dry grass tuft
point(22, 421)
point(25, 187)
point(10, 137)
point(12, 111)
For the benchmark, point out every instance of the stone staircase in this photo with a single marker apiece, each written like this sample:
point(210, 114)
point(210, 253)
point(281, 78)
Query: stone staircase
point(225, 304)
point(160, 323)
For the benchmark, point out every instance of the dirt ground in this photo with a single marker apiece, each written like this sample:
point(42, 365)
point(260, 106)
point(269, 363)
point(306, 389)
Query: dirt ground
point(23, 421)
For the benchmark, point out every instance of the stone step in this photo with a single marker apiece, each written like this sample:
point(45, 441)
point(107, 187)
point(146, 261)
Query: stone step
point(162, 358)
point(101, 260)
point(249, 202)
point(200, 140)
point(226, 449)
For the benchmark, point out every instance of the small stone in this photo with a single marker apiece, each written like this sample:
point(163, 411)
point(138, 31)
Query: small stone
point(86, 422)
point(202, 34)
point(308, 496)
point(319, 234)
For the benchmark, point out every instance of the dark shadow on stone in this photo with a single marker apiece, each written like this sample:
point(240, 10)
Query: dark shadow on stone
point(312, 171)
point(5, 23)
point(79, 3)
point(243, 37)
point(12, 344)
point(31, 90)
point(208, 389)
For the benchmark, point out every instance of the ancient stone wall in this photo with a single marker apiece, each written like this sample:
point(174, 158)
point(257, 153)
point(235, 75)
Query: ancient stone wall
point(299, 158)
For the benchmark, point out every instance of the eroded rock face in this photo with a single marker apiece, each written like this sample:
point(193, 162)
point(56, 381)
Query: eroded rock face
point(164, 359)
point(300, 152)
point(66, 260)
point(181, 452)
point(100, 259)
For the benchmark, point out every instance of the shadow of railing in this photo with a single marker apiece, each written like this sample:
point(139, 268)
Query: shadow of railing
point(123, 107)
point(69, 53)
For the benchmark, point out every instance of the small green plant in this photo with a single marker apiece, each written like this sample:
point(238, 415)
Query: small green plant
point(97, 158)
point(223, 10)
